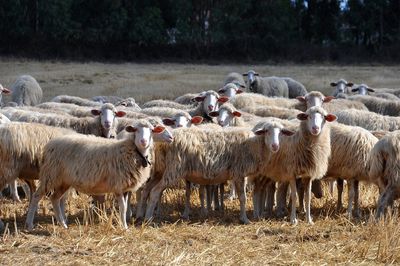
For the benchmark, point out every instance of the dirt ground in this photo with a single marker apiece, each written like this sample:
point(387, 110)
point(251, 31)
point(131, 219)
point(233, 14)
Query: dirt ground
point(214, 239)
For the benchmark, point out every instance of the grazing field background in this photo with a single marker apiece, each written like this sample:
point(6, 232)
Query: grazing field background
point(96, 238)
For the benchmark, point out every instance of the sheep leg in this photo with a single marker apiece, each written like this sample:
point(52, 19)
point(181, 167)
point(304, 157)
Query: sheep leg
point(293, 196)
point(122, 202)
point(202, 192)
point(14, 191)
point(186, 212)
point(141, 205)
point(386, 199)
point(222, 192)
point(256, 198)
point(339, 183)
point(350, 190)
point(55, 201)
point(154, 197)
point(301, 189)
point(281, 199)
point(263, 197)
point(241, 191)
point(216, 197)
point(208, 197)
point(33, 206)
point(356, 199)
point(128, 196)
point(232, 193)
point(32, 188)
point(308, 185)
point(269, 205)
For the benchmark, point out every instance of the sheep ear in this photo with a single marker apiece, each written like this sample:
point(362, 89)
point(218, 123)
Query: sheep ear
point(168, 122)
point(302, 116)
point(95, 112)
point(370, 90)
point(237, 113)
point(287, 132)
point(327, 99)
point(213, 113)
point(158, 129)
point(333, 84)
point(223, 99)
point(301, 99)
point(131, 129)
point(199, 98)
point(6, 91)
point(354, 90)
point(260, 132)
point(239, 91)
point(330, 117)
point(245, 74)
point(221, 90)
point(120, 114)
point(350, 84)
point(256, 74)
point(197, 120)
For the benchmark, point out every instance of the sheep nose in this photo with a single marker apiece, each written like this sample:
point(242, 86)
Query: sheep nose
point(143, 142)
point(275, 147)
point(210, 108)
point(315, 129)
point(220, 122)
point(179, 125)
point(107, 124)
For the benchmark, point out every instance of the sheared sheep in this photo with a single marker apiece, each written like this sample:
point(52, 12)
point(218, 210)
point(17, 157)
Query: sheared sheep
point(95, 166)
point(26, 91)
point(268, 86)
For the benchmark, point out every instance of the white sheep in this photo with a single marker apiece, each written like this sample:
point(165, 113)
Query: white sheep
point(95, 166)
point(26, 91)
point(208, 157)
point(385, 168)
point(364, 89)
point(378, 105)
point(295, 87)
point(342, 87)
point(75, 100)
point(166, 103)
point(236, 79)
point(21, 148)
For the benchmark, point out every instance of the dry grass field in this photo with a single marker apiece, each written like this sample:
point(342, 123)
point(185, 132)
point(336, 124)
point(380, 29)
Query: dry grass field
point(217, 239)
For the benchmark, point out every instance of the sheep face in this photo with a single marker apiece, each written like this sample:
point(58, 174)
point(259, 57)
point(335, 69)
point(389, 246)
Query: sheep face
point(363, 89)
point(225, 116)
point(165, 136)
point(230, 90)
point(316, 118)
point(107, 118)
point(271, 133)
point(143, 136)
point(209, 101)
point(341, 86)
point(314, 98)
point(182, 120)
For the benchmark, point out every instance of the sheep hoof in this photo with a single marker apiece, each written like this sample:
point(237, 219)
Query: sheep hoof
point(17, 200)
point(293, 221)
point(310, 222)
point(29, 227)
point(245, 220)
point(185, 216)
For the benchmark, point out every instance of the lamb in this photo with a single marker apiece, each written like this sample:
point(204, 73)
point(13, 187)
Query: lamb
point(268, 86)
point(368, 120)
point(5, 91)
point(236, 79)
point(75, 100)
point(166, 103)
point(378, 105)
point(105, 125)
point(21, 154)
point(384, 170)
point(26, 91)
point(95, 166)
point(208, 157)
point(342, 87)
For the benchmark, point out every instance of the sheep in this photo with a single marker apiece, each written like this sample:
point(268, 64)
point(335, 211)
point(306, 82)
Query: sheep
point(105, 125)
point(75, 100)
point(187, 99)
point(129, 103)
point(95, 166)
point(295, 87)
point(166, 103)
point(378, 105)
point(21, 153)
point(368, 120)
point(208, 102)
point(268, 86)
point(384, 170)
point(230, 90)
point(5, 91)
point(363, 89)
point(107, 99)
point(236, 79)
point(272, 111)
point(207, 157)
point(26, 91)
point(342, 87)
point(304, 155)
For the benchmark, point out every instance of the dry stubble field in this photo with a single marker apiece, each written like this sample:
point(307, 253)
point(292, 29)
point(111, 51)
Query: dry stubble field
point(216, 239)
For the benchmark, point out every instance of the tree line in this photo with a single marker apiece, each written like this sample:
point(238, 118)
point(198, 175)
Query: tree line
point(231, 30)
